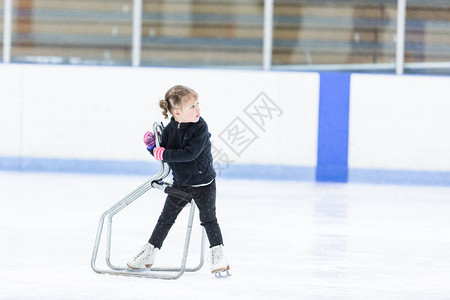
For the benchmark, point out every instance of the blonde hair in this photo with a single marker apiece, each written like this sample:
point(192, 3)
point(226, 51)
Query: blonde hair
point(175, 97)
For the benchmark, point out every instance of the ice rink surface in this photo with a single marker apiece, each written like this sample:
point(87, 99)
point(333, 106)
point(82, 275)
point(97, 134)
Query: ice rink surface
point(284, 240)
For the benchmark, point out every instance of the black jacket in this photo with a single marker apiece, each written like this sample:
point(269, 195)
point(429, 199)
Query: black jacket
point(188, 152)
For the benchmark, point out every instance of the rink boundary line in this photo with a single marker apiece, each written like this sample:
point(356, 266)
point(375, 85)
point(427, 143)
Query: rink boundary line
point(234, 171)
point(125, 167)
point(399, 177)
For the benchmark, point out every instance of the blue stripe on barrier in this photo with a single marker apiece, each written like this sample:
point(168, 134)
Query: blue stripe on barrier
point(33, 164)
point(332, 147)
point(115, 167)
point(268, 172)
point(399, 177)
point(233, 171)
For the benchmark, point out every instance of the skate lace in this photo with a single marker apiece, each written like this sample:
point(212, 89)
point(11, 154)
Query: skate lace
point(215, 255)
point(141, 253)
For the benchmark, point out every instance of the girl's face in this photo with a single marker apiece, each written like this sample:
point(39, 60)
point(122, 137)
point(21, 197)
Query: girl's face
point(189, 113)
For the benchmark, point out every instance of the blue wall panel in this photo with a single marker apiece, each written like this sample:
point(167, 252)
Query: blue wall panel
point(332, 148)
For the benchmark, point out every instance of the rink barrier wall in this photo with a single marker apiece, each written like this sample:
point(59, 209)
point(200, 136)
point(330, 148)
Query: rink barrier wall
point(340, 127)
point(399, 129)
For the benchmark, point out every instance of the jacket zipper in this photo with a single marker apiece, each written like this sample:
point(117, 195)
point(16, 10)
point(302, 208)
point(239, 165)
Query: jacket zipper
point(179, 133)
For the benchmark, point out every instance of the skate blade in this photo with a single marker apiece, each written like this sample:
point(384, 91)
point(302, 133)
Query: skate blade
point(222, 273)
point(133, 269)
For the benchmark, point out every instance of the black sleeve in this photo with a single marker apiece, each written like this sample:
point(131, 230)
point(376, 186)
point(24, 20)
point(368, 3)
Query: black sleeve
point(195, 146)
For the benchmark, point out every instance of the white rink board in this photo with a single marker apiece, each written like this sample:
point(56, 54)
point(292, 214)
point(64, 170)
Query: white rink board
point(399, 122)
point(10, 110)
point(79, 112)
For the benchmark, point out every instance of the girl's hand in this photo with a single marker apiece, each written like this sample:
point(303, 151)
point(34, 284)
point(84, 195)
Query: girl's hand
point(149, 140)
point(158, 153)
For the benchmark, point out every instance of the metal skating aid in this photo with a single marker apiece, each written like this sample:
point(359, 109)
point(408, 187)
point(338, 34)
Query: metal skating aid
point(158, 183)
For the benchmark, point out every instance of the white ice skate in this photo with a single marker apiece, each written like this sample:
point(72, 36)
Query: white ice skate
point(219, 262)
point(145, 257)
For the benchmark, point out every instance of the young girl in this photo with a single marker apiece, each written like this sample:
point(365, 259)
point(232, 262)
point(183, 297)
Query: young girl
point(186, 147)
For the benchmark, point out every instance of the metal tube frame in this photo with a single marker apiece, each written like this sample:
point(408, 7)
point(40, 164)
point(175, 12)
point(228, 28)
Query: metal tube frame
point(400, 40)
point(137, 33)
point(7, 30)
point(153, 182)
point(268, 35)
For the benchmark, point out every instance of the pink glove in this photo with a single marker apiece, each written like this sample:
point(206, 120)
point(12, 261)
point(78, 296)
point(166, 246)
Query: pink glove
point(158, 153)
point(149, 140)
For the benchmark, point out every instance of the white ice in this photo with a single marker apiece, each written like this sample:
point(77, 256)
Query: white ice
point(285, 240)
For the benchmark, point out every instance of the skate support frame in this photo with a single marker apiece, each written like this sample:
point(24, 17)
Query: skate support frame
point(158, 183)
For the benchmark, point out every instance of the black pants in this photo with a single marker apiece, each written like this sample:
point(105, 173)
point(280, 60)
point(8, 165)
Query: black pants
point(205, 199)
